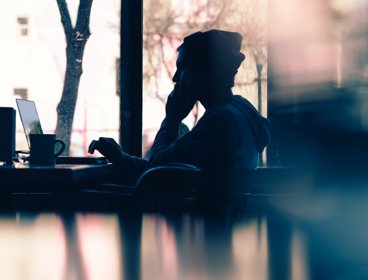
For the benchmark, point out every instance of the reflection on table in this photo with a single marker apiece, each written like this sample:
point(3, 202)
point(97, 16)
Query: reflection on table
point(287, 239)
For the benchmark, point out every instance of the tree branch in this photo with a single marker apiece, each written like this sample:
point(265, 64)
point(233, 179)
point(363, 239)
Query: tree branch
point(163, 60)
point(84, 13)
point(65, 19)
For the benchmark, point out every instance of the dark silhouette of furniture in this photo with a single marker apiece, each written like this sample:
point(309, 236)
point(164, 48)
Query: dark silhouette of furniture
point(174, 186)
point(182, 185)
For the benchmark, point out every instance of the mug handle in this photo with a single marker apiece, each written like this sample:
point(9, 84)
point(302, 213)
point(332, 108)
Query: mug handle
point(61, 149)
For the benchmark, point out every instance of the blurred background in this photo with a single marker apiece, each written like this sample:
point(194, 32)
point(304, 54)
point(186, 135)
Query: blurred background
point(317, 84)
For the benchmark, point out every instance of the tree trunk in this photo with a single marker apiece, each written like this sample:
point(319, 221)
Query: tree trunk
point(76, 39)
point(67, 104)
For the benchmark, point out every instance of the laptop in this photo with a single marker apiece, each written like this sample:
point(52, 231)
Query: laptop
point(32, 125)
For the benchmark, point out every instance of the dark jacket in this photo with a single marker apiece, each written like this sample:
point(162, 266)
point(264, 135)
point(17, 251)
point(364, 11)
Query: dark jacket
point(226, 137)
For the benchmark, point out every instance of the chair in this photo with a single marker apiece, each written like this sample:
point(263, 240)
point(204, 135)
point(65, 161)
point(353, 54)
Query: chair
point(178, 186)
point(170, 185)
point(167, 185)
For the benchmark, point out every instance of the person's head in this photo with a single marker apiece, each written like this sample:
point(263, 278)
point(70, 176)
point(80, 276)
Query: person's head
point(212, 58)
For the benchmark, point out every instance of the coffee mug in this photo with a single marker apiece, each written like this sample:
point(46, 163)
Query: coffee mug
point(43, 149)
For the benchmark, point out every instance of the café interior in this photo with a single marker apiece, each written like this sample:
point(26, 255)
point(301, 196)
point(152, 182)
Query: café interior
point(301, 214)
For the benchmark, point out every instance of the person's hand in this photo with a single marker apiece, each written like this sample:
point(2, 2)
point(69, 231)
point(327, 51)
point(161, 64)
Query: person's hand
point(181, 100)
point(108, 148)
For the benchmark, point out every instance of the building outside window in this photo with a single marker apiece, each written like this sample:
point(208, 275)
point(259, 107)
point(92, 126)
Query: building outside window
point(21, 93)
point(23, 26)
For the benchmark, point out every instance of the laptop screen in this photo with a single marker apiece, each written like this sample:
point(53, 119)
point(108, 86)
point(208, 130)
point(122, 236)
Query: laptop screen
point(29, 117)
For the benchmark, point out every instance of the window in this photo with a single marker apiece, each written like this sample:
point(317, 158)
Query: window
point(23, 26)
point(38, 64)
point(21, 93)
point(164, 30)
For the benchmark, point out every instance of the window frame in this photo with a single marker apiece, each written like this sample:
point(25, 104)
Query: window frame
point(131, 76)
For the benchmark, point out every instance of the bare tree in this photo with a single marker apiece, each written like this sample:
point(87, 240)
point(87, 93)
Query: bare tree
point(76, 39)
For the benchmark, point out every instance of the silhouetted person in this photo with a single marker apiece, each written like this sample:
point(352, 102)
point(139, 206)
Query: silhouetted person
point(231, 132)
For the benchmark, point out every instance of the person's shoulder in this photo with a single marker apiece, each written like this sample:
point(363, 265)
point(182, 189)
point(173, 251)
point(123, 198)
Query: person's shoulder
point(224, 111)
point(222, 117)
point(236, 99)
point(242, 102)
point(230, 109)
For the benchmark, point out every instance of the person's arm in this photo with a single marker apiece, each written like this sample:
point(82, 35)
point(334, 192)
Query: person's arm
point(167, 134)
point(204, 146)
point(179, 103)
